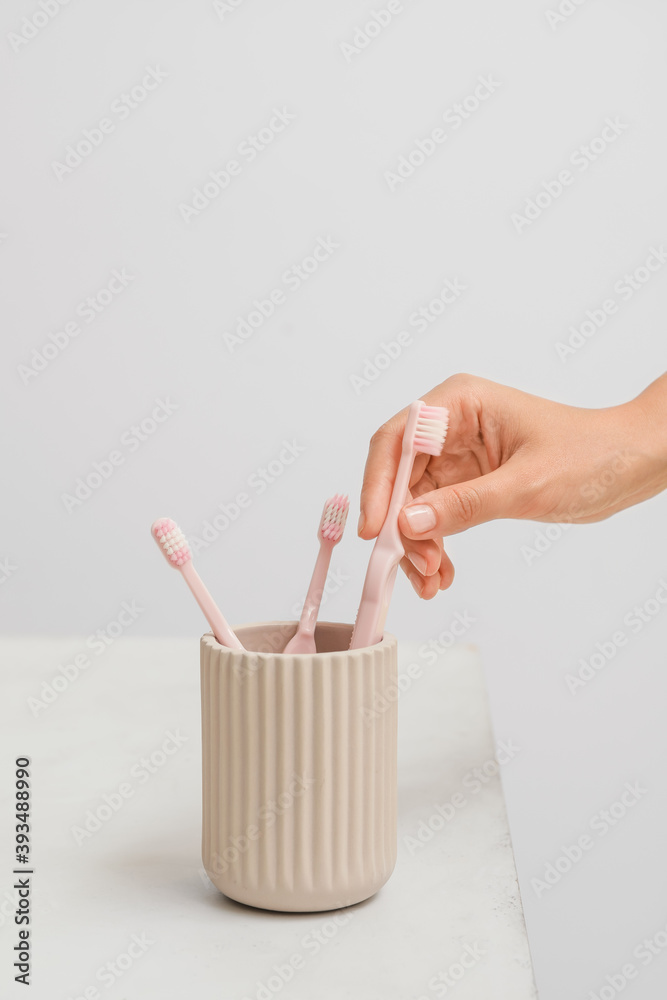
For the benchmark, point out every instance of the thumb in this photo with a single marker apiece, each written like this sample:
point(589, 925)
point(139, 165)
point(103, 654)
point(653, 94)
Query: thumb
point(454, 508)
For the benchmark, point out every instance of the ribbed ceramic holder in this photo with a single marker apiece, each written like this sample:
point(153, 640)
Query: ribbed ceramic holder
point(299, 768)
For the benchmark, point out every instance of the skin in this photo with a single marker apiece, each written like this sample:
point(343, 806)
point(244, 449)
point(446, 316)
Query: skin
point(512, 455)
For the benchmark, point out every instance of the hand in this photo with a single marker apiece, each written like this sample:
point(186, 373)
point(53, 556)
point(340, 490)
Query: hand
point(510, 454)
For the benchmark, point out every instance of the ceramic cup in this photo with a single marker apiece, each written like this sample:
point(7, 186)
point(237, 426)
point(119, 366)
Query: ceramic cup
point(299, 768)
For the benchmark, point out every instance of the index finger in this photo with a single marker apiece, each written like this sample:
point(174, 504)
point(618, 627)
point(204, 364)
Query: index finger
point(384, 455)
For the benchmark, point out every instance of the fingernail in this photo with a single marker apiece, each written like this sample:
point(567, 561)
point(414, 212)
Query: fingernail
point(418, 561)
point(420, 517)
point(362, 522)
point(416, 583)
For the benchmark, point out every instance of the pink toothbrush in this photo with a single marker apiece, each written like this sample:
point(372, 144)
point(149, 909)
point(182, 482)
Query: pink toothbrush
point(424, 433)
point(329, 533)
point(176, 550)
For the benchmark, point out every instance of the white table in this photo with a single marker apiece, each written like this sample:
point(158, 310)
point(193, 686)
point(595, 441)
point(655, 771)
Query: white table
point(449, 921)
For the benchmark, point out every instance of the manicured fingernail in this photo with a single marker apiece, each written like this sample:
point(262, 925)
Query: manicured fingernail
point(420, 517)
point(416, 583)
point(418, 561)
point(362, 522)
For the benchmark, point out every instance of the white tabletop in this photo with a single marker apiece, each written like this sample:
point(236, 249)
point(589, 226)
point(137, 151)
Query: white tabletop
point(448, 922)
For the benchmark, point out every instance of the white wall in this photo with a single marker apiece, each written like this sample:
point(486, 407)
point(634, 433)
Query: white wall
point(323, 177)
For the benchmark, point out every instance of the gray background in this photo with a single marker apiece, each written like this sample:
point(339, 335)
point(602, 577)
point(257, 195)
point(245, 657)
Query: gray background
point(162, 337)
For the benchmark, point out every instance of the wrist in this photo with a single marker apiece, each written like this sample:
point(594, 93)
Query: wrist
point(646, 419)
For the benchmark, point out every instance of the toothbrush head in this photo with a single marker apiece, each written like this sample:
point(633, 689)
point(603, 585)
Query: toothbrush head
point(334, 517)
point(172, 541)
point(430, 429)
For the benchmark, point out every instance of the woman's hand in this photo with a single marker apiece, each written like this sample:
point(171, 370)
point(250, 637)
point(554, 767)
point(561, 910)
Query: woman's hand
point(510, 454)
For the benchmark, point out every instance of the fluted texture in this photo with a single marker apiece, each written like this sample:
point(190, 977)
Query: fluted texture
point(299, 769)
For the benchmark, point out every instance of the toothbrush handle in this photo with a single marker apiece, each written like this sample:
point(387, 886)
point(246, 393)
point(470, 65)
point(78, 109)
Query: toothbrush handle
point(376, 595)
point(315, 590)
point(387, 551)
point(212, 613)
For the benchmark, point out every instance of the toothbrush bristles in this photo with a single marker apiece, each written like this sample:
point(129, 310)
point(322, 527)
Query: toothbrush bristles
point(172, 541)
point(334, 517)
point(431, 429)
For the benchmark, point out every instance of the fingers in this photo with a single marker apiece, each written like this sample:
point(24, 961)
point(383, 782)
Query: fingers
point(460, 394)
point(425, 587)
point(428, 585)
point(384, 455)
point(424, 555)
point(446, 572)
point(500, 493)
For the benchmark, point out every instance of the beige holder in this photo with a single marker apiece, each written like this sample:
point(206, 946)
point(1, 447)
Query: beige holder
point(299, 768)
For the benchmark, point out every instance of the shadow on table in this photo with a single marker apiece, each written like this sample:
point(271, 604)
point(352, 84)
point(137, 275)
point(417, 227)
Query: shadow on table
point(173, 872)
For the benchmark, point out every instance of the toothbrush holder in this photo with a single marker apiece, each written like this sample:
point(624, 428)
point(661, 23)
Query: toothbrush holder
point(299, 767)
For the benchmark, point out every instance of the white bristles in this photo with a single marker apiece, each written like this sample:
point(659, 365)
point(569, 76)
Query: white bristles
point(334, 517)
point(431, 429)
point(172, 541)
